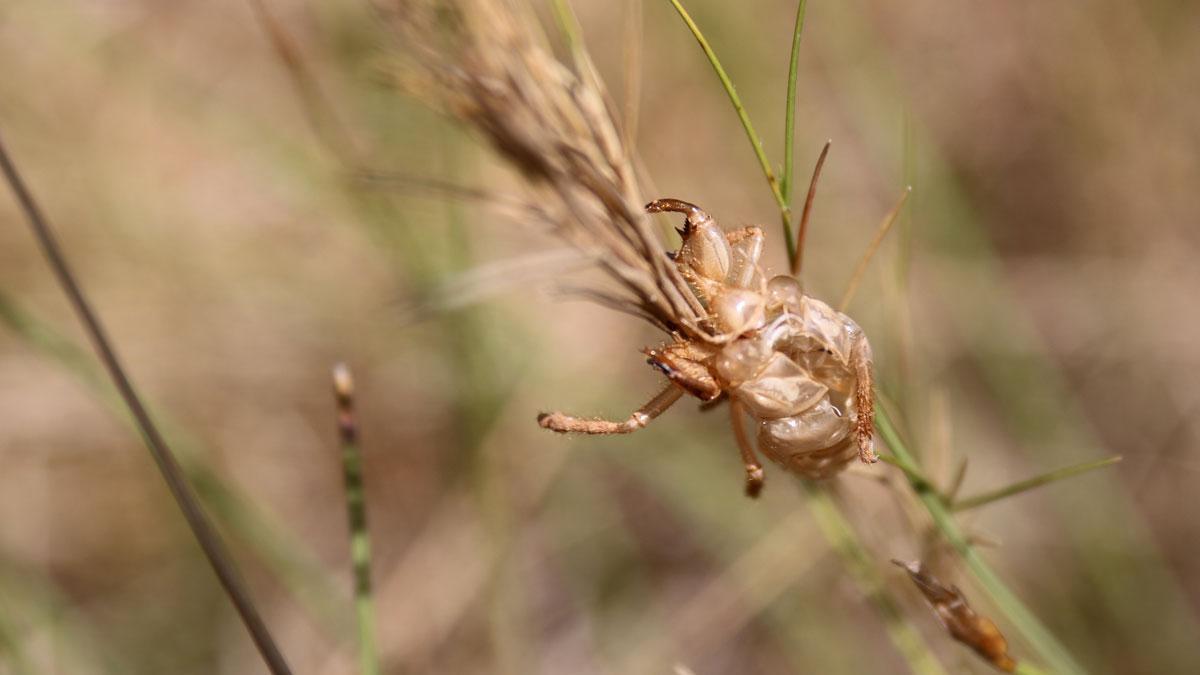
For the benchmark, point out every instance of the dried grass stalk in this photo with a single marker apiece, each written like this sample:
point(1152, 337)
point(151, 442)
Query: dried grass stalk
point(481, 61)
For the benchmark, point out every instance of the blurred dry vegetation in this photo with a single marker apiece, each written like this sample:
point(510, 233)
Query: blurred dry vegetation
point(1032, 311)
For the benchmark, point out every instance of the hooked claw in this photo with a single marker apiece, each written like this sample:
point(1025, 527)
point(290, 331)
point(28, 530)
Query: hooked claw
point(695, 214)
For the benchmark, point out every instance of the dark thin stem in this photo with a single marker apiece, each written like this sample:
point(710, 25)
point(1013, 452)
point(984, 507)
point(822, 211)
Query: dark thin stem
point(797, 260)
point(206, 535)
point(356, 509)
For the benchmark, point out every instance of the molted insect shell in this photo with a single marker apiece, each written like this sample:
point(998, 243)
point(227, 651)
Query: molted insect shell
point(816, 443)
point(784, 292)
point(781, 389)
point(823, 464)
point(815, 329)
point(706, 251)
point(744, 271)
point(820, 426)
point(831, 328)
point(828, 370)
point(739, 310)
point(741, 360)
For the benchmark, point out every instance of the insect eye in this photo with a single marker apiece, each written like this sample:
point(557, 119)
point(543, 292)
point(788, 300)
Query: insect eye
point(660, 366)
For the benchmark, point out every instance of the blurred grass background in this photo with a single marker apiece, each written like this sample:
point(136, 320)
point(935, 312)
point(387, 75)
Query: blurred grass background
point(1030, 313)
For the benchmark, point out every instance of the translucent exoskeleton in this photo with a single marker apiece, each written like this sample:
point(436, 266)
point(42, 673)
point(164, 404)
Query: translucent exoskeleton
point(800, 369)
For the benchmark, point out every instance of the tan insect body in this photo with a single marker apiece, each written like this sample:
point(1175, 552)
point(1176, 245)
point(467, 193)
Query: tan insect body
point(799, 368)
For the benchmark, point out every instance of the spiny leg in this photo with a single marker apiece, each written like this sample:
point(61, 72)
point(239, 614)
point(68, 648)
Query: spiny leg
point(569, 424)
point(864, 401)
point(754, 470)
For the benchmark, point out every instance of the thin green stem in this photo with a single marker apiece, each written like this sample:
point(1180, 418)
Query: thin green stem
point(789, 124)
point(785, 210)
point(360, 542)
point(1031, 483)
point(913, 473)
point(1038, 636)
point(839, 533)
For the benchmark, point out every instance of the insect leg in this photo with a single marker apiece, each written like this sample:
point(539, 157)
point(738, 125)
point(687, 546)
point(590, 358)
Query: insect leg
point(864, 401)
point(569, 424)
point(695, 214)
point(754, 470)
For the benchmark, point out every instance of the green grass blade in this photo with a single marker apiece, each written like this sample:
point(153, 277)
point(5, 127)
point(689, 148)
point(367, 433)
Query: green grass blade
point(1031, 483)
point(755, 141)
point(789, 124)
point(1039, 637)
point(912, 472)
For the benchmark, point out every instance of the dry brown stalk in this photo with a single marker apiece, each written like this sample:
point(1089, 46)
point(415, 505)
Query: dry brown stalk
point(951, 608)
point(481, 61)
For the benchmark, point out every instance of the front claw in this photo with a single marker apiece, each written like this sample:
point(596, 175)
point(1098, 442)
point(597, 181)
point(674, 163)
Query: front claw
point(694, 214)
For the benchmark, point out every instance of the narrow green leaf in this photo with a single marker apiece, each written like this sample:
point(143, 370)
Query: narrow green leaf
point(912, 472)
point(755, 142)
point(789, 124)
point(1031, 483)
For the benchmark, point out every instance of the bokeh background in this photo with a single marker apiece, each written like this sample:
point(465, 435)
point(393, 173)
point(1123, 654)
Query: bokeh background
point(1033, 310)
